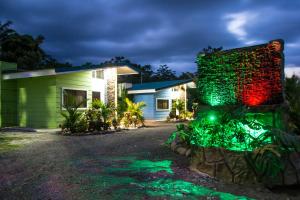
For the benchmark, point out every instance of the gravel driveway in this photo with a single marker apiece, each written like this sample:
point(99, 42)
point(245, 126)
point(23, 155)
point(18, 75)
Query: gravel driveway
point(132, 164)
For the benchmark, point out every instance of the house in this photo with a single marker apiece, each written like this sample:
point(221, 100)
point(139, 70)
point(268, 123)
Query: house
point(159, 96)
point(36, 98)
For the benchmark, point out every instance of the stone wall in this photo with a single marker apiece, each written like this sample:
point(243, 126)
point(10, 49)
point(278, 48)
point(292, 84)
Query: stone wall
point(231, 166)
point(111, 86)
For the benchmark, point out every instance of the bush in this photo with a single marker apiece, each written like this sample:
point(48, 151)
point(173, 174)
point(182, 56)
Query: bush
point(74, 119)
point(265, 148)
point(292, 90)
point(134, 114)
point(99, 117)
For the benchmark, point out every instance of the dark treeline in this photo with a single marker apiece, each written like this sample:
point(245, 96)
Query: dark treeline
point(26, 51)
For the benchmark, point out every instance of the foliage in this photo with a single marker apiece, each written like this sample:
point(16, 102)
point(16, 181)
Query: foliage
point(265, 148)
point(267, 160)
point(99, 117)
point(25, 50)
point(134, 114)
point(122, 105)
point(164, 73)
point(74, 120)
point(238, 76)
point(292, 90)
point(178, 111)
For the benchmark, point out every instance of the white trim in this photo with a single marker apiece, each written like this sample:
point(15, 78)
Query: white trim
point(28, 74)
point(51, 72)
point(128, 74)
point(141, 91)
point(185, 97)
point(78, 89)
point(157, 109)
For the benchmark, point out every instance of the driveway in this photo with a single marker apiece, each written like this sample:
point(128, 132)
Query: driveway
point(128, 165)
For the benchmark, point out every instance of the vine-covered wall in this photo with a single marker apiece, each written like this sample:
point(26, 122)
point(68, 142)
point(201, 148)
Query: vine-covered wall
point(250, 76)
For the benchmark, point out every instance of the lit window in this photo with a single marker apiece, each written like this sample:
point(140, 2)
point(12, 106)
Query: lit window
point(74, 97)
point(96, 96)
point(98, 74)
point(162, 104)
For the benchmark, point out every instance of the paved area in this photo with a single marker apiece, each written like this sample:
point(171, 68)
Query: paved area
point(132, 164)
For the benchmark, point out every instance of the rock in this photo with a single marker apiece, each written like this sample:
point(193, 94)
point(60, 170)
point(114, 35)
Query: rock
point(213, 155)
point(181, 150)
point(173, 145)
point(188, 152)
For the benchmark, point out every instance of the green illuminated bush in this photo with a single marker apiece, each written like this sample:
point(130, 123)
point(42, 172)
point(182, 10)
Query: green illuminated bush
point(232, 130)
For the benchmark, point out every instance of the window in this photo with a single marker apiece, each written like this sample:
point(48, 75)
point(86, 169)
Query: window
point(73, 97)
point(162, 104)
point(174, 89)
point(98, 74)
point(96, 95)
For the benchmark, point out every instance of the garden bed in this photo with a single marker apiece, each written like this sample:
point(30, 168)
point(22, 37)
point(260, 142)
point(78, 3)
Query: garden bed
point(232, 166)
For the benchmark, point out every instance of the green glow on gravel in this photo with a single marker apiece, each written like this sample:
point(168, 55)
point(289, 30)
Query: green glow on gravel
point(123, 179)
point(146, 166)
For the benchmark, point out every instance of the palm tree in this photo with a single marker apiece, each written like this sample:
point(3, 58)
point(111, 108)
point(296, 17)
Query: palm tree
point(134, 113)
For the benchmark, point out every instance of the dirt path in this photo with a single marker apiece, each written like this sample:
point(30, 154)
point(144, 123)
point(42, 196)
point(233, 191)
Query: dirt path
point(129, 165)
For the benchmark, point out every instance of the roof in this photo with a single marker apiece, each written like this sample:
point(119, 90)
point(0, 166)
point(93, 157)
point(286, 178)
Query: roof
point(123, 69)
point(91, 67)
point(154, 86)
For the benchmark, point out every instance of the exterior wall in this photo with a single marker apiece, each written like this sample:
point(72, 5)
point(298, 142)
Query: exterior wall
point(150, 111)
point(165, 94)
point(37, 102)
point(150, 105)
point(8, 94)
point(111, 77)
point(80, 81)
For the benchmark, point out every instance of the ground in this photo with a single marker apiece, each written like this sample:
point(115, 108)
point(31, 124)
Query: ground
point(131, 164)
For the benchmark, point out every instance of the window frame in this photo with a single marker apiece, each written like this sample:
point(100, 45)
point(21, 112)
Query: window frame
point(99, 93)
point(94, 74)
point(159, 109)
point(77, 89)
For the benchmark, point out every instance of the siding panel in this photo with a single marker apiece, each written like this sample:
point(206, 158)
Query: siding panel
point(37, 102)
point(166, 94)
point(149, 100)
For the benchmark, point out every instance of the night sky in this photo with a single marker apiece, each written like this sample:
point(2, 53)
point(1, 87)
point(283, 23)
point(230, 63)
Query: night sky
point(154, 31)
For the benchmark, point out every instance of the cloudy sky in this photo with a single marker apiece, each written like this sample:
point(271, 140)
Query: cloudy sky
point(154, 31)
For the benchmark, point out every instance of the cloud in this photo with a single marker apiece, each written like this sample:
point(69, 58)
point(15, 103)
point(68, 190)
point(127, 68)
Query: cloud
point(237, 23)
point(153, 31)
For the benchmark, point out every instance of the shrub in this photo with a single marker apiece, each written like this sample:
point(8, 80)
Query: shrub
point(134, 114)
point(99, 117)
point(74, 119)
point(292, 90)
point(265, 148)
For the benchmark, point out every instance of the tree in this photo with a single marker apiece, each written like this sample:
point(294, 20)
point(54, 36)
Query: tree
point(146, 73)
point(164, 73)
point(5, 31)
point(24, 50)
point(187, 75)
point(210, 50)
point(292, 91)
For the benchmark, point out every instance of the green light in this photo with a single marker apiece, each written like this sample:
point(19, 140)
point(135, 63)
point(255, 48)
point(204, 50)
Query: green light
point(212, 118)
point(235, 131)
point(138, 179)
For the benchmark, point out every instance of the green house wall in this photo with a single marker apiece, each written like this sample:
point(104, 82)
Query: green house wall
point(80, 81)
point(37, 102)
point(8, 94)
point(40, 98)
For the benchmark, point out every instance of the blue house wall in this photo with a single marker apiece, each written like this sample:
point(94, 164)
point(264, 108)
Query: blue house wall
point(150, 106)
point(163, 94)
point(150, 111)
